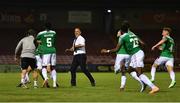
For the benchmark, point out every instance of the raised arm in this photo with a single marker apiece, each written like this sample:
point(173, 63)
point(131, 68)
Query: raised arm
point(111, 50)
point(141, 42)
point(159, 43)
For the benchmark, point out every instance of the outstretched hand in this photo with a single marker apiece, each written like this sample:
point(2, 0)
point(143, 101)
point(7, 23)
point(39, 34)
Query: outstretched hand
point(104, 51)
point(67, 50)
point(153, 48)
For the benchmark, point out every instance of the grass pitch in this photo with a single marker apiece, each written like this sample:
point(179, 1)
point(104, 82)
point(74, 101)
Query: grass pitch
point(106, 90)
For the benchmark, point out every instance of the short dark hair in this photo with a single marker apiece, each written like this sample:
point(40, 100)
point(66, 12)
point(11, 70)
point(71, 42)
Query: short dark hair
point(31, 32)
point(78, 28)
point(48, 25)
point(168, 29)
point(125, 22)
point(124, 28)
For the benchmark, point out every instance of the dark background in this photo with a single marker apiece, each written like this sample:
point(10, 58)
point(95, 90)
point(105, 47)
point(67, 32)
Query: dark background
point(147, 18)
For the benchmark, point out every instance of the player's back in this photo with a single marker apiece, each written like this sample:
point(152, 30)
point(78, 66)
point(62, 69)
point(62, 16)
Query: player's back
point(131, 43)
point(47, 39)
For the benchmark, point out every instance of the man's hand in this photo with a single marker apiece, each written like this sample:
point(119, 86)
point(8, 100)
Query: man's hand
point(153, 47)
point(68, 50)
point(15, 58)
point(104, 51)
point(160, 48)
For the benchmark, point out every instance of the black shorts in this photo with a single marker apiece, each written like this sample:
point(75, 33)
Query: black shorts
point(26, 62)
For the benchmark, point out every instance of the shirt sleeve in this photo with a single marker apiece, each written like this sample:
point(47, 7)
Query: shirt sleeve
point(164, 38)
point(18, 46)
point(38, 37)
point(120, 40)
point(80, 41)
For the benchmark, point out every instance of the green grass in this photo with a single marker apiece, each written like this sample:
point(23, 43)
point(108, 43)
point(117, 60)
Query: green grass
point(107, 89)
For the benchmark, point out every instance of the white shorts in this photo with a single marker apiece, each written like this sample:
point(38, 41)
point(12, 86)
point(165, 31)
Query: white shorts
point(38, 62)
point(49, 59)
point(121, 58)
point(164, 60)
point(137, 59)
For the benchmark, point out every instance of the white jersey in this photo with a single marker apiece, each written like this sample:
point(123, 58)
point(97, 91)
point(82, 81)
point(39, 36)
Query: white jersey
point(79, 41)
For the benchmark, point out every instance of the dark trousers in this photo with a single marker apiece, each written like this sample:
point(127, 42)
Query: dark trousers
point(80, 60)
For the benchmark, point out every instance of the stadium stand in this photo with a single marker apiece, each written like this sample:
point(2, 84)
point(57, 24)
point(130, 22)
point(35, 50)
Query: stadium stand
point(95, 41)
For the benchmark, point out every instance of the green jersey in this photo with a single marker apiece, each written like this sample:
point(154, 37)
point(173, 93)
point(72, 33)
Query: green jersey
point(130, 42)
point(167, 47)
point(47, 38)
point(121, 50)
point(38, 50)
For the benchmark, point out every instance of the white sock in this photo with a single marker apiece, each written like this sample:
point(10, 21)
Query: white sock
point(123, 81)
point(146, 80)
point(35, 83)
point(22, 80)
point(27, 77)
point(134, 75)
point(44, 73)
point(53, 75)
point(172, 75)
point(153, 71)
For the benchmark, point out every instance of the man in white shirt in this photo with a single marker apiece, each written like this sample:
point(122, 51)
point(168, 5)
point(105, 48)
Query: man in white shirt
point(79, 59)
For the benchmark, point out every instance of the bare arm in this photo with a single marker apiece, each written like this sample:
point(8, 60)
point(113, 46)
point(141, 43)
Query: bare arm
point(38, 41)
point(158, 44)
point(70, 49)
point(112, 50)
point(142, 43)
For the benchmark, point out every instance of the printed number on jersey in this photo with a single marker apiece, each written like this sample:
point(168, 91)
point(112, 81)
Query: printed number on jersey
point(135, 42)
point(49, 42)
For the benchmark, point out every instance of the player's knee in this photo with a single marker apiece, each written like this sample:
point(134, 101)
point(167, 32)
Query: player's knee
point(116, 67)
point(130, 70)
point(155, 65)
point(169, 68)
point(53, 67)
point(139, 71)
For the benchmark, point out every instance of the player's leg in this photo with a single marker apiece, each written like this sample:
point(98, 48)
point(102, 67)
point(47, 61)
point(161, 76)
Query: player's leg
point(82, 63)
point(45, 63)
point(35, 72)
point(119, 66)
point(123, 76)
point(23, 74)
point(24, 67)
point(117, 63)
point(27, 80)
point(139, 65)
point(35, 77)
point(73, 69)
point(156, 63)
point(134, 74)
point(53, 70)
point(39, 65)
point(169, 66)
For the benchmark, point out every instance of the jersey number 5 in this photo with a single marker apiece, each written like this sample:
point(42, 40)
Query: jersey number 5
point(135, 42)
point(49, 42)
